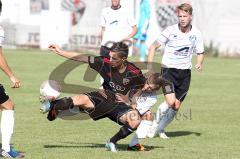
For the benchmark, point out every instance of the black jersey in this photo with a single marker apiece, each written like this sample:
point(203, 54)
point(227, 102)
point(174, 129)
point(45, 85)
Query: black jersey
point(131, 78)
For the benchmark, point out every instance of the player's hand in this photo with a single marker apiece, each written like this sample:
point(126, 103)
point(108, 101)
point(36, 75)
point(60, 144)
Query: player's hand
point(55, 48)
point(198, 67)
point(122, 98)
point(15, 81)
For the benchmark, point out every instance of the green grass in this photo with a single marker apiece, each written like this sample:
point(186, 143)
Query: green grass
point(208, 129)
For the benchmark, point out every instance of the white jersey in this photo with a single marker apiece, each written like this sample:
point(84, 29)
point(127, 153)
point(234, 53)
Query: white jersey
point(179, 46)
point(146, 101)
point(1, 36)
point(118, 24)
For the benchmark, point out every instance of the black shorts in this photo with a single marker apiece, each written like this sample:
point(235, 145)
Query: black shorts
point(105, 106)
point(104, 51)
point(180, 78)
point(3, 96)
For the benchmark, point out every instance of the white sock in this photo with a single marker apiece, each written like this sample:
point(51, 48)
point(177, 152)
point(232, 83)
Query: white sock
point(7, 124)
point(155, 123)
point(143, 129)
point(161, 109)
point(134, 140)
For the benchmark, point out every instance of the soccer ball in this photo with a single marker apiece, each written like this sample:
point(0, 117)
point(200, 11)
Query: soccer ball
point(50, 89)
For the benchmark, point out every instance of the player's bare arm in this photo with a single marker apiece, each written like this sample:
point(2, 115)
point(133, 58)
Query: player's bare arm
point(102, 32)
point(7, 70)
point(70, 55)
point(134, 31)
point(200, 59)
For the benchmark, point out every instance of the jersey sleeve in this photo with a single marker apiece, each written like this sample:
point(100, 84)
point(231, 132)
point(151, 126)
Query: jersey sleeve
point(167, 87)
point(199, 45)
point(96, 63)
point(162, 40)
point(1, 36)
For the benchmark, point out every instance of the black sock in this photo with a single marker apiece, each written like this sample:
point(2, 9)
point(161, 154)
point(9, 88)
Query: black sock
point(63, 103)
point(123, 132)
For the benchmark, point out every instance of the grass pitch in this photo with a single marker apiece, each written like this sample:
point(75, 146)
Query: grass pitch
point(207, 125)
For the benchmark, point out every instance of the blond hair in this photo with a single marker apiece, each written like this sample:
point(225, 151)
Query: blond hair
point(185, 7)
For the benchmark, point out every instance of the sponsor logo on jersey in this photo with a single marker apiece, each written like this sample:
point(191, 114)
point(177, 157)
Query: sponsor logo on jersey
point(125, 81)
point(116, 87)
point(142, 99)
point(192, 38)
point(173, 36)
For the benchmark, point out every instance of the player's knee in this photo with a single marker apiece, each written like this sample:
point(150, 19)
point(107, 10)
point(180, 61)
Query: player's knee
point(170, 99)
point(8, 105)
point(177, 104)
point(133, 119)
point(148, 116)
point(171, 102)
point(134, 124)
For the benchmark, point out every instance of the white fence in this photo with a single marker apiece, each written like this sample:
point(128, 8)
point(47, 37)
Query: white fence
point(75, 24)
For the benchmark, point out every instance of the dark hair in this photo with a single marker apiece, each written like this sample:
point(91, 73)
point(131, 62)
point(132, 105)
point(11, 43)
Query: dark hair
point(0, 6)
point(121, 48)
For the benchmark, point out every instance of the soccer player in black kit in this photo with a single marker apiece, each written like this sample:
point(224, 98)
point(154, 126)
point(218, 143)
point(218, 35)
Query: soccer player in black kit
point(120, 76)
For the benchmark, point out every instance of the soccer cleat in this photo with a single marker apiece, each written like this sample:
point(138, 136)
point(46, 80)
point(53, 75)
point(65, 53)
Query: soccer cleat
point(163, 135)
point(45, 103)
point(45, 107)
point(111, 146)
point(12, 154)
point(52, 114)
point(137, 147)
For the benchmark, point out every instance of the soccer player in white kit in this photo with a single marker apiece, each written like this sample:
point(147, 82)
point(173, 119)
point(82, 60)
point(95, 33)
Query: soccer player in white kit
point(144, 103)
point(117, 24)
point(7, 106)
point(181, 41)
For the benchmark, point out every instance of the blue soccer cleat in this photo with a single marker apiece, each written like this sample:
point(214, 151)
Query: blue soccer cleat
point(111, 146)
point(45, 107)
point(12, 154)
point(45, 103)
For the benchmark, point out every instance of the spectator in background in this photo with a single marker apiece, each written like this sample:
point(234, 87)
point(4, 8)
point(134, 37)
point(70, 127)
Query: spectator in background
point(143, 23)
point(76, 7)
point(117, 24)
point(36, 6)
